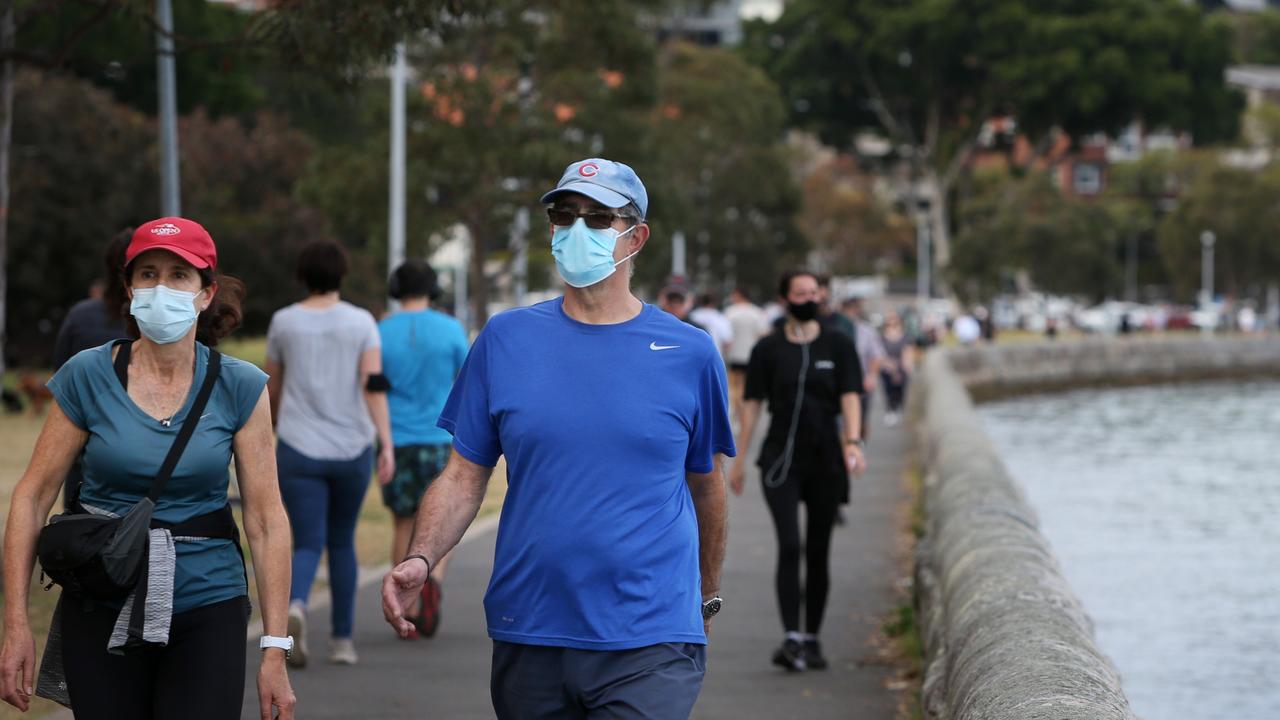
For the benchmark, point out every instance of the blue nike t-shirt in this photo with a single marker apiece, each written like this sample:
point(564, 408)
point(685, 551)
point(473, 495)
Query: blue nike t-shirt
point(126, 448)
point(598, 540)
point(422, 352)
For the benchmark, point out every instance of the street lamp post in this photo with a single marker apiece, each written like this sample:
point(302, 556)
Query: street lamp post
point(170, 199)
point(1207, 240)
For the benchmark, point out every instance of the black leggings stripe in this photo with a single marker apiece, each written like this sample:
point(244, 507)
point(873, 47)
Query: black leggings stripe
point(784, 505)
point(198, 676)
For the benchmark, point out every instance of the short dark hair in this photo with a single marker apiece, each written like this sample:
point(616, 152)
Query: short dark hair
point(784, 283)
point(321, 266)
point(413, 279)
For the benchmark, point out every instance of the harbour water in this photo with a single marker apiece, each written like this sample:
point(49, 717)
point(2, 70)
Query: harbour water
point(1163, 506)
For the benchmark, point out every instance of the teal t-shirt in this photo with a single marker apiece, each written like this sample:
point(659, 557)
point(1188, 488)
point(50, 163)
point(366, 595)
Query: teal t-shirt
point(422, 353)
point(126, 447)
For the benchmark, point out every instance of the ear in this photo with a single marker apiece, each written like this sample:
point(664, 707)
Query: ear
point(213, 291)
point(637, 238)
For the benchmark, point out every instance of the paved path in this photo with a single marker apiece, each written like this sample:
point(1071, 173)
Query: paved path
point(448, 676)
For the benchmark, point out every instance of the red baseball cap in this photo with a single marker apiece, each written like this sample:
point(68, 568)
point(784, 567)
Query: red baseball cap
point(185, 238)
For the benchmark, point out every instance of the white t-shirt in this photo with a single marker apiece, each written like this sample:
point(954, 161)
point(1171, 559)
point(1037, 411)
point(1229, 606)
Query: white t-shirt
point(967, 329)
point(748, 323)
point(322, 412)
point(715, 324)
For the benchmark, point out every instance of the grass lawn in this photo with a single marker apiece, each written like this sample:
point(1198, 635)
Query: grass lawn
point(18, 436)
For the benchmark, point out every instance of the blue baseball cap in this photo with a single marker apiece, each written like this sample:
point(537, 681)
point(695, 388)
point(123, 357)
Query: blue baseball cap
point(609, 183)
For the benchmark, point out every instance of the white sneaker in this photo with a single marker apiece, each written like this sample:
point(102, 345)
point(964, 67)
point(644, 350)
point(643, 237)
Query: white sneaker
point(342, 652)
point(298, 629)
point(891, 419)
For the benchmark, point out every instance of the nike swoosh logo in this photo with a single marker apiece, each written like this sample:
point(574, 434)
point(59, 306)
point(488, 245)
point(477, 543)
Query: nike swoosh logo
point(205, 415)
point(656, 346)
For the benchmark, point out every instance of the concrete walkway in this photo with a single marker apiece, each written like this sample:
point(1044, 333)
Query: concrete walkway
point(448, 676)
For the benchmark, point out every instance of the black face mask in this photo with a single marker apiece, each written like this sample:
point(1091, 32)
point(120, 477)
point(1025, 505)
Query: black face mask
point(805, 311)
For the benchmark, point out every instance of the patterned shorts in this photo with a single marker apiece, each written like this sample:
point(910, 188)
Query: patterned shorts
point(416, 467)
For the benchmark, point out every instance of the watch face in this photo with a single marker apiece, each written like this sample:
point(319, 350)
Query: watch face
point(710, 607)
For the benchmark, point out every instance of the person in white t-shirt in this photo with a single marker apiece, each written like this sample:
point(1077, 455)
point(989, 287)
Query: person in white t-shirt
point(749, 323)
point(708, 315)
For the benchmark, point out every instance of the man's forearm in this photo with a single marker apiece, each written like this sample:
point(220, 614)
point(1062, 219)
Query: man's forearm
point(448, 507)
point(710, 504)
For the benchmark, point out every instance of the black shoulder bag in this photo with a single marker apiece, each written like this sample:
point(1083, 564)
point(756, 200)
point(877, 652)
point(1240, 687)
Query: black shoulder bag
point(103, 557)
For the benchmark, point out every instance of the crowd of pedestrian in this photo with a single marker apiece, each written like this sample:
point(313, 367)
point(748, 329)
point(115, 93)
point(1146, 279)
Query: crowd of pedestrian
point(616, 419)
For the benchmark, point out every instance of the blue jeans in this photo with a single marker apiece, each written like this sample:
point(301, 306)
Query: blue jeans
point(323, 499)
point(533, 682)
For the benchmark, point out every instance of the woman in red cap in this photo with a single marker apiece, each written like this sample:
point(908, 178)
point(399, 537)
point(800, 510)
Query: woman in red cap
point(176, 652)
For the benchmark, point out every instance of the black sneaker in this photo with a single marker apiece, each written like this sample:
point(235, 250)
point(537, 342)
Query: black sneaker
point(813, 659)
point(790, 656)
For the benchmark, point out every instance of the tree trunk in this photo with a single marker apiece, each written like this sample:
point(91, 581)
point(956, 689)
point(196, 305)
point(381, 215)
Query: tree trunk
point(479, 286)
point(940, 231)
point(6, 137)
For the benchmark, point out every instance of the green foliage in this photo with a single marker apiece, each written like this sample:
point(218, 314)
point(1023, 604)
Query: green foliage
point(80, 164)
point(1239, 207)
point(930, 72)
point(114, 48)
point(718, 173)
point(84, 167)
point(1068, 245)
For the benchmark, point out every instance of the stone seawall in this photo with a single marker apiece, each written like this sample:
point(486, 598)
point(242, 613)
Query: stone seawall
point(1005, 638)
point(990, 371)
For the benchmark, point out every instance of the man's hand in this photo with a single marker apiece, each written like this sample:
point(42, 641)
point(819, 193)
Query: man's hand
point(399, 588)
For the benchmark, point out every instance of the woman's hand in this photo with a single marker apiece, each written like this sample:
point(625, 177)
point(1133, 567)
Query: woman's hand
point(18, 666)
point(855, 461)
point(737, 477)
point(386, 464)
point(273, 686)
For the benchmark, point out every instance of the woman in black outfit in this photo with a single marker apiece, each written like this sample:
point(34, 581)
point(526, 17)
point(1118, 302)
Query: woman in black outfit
point(810, 377)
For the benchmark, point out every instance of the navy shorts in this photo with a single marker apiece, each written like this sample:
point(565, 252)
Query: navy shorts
point(533, 682)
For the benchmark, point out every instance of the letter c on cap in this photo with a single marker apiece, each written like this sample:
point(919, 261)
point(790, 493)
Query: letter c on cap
point(589, 170)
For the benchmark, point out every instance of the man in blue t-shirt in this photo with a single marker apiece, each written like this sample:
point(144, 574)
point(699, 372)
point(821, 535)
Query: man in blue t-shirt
point(422, 352)
point(612, 416)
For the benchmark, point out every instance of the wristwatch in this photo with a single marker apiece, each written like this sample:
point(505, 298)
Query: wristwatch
point(272, 641)
point(711, 607)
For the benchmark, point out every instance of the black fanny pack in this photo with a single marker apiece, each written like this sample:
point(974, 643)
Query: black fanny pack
point(105, 557)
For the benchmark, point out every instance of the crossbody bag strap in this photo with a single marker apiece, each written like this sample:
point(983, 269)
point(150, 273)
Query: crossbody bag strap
point(122, 362)
point(188, 426)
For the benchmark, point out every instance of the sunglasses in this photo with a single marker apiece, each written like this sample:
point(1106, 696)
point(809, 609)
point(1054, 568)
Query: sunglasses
point(595, 219)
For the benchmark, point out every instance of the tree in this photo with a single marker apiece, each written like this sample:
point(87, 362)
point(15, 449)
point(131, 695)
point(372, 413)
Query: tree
point(930, 74)
point(850, 227)
point(718, 172)
point(334, 37)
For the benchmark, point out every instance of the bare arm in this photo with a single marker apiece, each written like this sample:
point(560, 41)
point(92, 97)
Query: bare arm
point(275, 388)
point(710, 502)
point(371, 364)
point(59, 443)
point(851, 409)
point(448, 507)
point(267, 527)
point(747, 427)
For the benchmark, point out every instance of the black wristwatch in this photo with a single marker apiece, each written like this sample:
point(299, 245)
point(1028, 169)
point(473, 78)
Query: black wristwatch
point(711, 607)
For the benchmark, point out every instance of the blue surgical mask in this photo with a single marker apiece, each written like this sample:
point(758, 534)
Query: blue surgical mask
point(164, 315)
point(584, 256)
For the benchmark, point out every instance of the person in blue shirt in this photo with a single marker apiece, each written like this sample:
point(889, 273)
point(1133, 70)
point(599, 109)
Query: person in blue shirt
point(422, 352)
point(119, 407)
point(613, 419)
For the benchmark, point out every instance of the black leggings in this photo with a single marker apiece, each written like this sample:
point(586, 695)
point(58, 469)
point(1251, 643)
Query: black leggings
point(198, 676)
point(784, 504)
